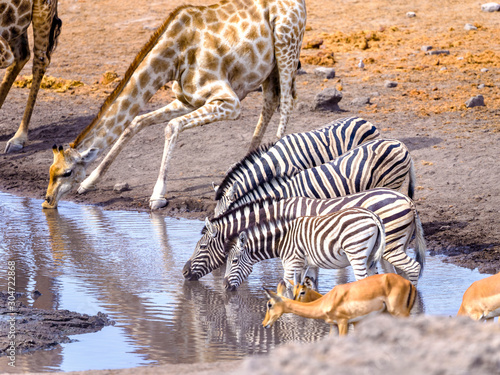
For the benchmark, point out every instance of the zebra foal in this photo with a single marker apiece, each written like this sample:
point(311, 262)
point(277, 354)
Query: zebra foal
point(378, 163)
point(350, 237)
point(290, 155)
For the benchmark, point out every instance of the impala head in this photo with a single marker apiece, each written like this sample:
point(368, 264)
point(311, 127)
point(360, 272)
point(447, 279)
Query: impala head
point(208, 254)
point(304, 290)
point(225, 200)
point(239, 263)
point(274, 306)
point(67, 170)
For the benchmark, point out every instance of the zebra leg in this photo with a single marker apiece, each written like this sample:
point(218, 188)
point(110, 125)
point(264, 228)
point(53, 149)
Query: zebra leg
point(404, 264)
point(271, 92)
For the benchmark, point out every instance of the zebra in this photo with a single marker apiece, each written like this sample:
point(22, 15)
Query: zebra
point(290, 155)
point(351, 237)
point(397, 211)
point(378, 163)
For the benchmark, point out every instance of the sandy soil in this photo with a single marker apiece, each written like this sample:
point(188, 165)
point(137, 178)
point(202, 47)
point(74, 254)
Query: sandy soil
point(455, 148)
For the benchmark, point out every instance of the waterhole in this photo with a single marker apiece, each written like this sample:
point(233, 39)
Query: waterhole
point(128, 265)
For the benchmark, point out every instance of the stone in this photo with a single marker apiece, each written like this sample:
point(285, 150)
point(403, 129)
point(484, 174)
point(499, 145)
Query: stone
point(390, 84)
point(328, 73)
point(411, 14)
point(120, 187)
point(444, 68)
point(438, 52)
point(475, 101)
point(426, 48)
point(469, 26)
point(484, 70)
point(361, 101)
point(327, 100)
point(301, 72)
point(490, 7)
point(481, 86)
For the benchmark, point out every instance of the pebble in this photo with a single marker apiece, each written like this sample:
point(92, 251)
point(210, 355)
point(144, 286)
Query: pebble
point(426, 48)
point(481, 86)
point(328, 100)
point(120, 187)
point(327, 73)
point(469, 26)
point(444, 68)
point(361, 64)
point(411, 14)
point(490, 7)
point(390, 84)
point(301, 72)
point(361, 101)
point(475, 101)
point(460, 58)
point(484, 70)
point(438, 52)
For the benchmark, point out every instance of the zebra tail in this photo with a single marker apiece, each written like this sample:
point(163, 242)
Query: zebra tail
point(412, 180)
point(376, 256)
point(420, 245)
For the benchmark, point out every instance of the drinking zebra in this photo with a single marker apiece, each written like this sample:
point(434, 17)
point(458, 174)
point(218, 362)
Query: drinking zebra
point(290, 155)
point(350, 237)
point(396, 210)
point(378, 163)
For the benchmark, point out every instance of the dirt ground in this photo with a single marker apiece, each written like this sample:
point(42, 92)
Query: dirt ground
point(455, 148)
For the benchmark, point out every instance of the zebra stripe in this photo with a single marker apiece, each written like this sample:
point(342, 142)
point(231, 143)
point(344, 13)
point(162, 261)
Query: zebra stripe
point(292, 154)
point(378, 163)
point(396, 210)
point(350, 237)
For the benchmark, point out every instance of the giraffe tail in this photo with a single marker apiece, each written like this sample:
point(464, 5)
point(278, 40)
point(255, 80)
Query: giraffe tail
point(55, 30)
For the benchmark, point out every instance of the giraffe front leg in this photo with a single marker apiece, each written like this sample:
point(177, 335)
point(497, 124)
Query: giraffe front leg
point(21, 56)
point(214, 110)
point(162, 115)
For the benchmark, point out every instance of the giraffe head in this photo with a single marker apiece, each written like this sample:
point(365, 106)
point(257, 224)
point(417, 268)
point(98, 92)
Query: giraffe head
point(67, 170)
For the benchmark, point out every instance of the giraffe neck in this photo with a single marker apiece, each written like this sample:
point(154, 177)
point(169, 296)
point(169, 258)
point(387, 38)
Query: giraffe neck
point(154, 66)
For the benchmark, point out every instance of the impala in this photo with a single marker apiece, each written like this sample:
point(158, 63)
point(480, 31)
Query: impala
point(481, 300)
point(348, 303)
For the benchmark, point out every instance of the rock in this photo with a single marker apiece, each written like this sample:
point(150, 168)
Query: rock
point(361, 64)
point(438, 52)
point(328, 100)
point(328, 73)
point(475, 101)
point(301, 72)
point(120, 187)
point(390, 84)
point(460, 58)
point(469, 26)
point(361, 101)
point(484, 70)
point(411, 14)
point(444, 68)
point(481, 86)
point(490, 7)
point(426, 48)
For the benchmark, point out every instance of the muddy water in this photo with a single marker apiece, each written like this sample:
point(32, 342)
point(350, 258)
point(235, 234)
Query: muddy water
point(128, 265)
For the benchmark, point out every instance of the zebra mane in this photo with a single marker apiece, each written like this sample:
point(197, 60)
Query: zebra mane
point(282, 180)
point(248, 159)
point(250, 206)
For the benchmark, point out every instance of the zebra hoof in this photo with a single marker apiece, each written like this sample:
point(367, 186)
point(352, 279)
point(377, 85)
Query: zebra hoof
point(156, 204)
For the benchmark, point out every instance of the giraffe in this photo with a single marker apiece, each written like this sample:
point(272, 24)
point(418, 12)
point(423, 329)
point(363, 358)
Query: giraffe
point(16, 16)
point(215, 55)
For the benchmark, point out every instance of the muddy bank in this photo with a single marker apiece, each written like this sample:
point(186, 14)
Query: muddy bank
point(37, 329)
point(379, 345)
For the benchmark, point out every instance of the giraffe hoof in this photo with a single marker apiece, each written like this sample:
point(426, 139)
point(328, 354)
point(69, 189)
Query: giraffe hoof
point(156, 204)
point(84, 189)
point(13, 147)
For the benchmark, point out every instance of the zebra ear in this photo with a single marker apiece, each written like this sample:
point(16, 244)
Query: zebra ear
point(309, 283)
point(242, 240)
point(215, 187)
point(211, 229)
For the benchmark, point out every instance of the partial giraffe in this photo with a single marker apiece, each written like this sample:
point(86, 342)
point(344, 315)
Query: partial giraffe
point(15, 17)
point(215, 55)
